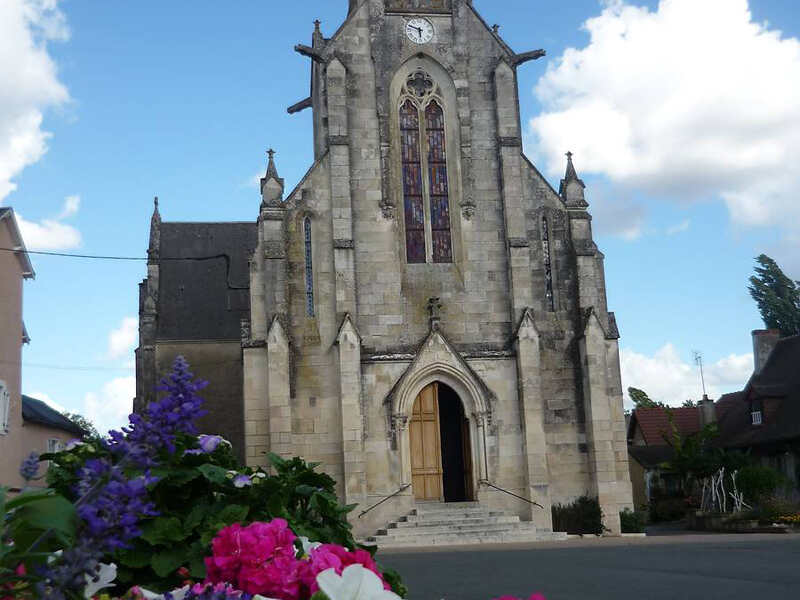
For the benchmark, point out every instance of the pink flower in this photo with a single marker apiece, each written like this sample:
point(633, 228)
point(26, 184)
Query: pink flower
point(258, 559)
point(338, 558)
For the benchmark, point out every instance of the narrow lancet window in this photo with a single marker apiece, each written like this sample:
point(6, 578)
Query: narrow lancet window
point(548, 265)
point(438, 186)
point(309, 269)
point(412, 183)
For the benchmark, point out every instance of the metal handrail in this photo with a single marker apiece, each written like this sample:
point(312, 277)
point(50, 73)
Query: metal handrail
point(491, 485)
point(374, 506)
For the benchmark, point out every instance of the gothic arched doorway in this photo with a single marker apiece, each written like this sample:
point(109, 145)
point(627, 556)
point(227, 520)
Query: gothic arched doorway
point(441, 454)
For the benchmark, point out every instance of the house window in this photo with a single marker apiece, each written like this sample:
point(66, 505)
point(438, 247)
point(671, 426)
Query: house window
point(309, 268)
point(54, 445)
point(5, 407)
point(548, 265)
point(426, 187)
point(756, 414)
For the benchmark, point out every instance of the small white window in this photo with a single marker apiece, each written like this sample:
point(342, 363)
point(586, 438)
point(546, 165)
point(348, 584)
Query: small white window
point(756, 417)
point(54, 445)
point(5, 407)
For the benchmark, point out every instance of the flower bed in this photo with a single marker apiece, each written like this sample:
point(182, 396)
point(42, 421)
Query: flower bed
point(158, 512)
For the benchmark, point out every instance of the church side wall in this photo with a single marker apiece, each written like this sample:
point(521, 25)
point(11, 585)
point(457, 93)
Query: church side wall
point(219, 363)
point(315, 405)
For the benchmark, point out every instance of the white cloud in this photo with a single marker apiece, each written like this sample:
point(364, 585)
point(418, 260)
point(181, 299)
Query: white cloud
point(52, 234)
point(30, 82)
point(48, 234)
point(110, 407)
point(693, 100)
point(667, 378)
point(121, 341)
point(47, 400)
point(617, 213)
point(681, 227)
point(71, 206)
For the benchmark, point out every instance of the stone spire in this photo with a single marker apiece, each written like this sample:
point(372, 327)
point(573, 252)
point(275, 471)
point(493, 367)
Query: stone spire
point(155, 233)
point(353, 5)
point(271, 184)
point(572, 187)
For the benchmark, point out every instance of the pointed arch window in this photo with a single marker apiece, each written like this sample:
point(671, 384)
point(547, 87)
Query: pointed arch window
point(309, 268)
point(426, 188)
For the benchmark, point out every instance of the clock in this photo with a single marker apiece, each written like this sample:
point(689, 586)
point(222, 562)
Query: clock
point(419, 31)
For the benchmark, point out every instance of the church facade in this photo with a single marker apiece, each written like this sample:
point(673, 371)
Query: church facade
point(423, 312)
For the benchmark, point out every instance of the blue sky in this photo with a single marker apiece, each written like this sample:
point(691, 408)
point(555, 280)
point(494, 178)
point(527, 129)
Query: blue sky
point(181, 99)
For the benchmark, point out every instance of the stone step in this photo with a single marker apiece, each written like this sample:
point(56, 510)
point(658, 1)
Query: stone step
point(435, 522)
point(427, 507)
point(430, 531)
point(457, 513)
point(466, 539)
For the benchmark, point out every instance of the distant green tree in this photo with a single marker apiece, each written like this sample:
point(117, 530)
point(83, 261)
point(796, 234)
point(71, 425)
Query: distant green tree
point(89, 430)
point(689, 403)
point(777, 296)
point(641, 400)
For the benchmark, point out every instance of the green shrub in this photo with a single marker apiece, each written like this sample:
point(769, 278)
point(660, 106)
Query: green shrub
point(196, 496)
point(632, 522)
point(668, 509)
point(584, 516)
point(757, 482)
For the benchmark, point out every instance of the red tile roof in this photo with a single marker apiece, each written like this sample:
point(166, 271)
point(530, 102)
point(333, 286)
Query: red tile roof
point(655, 425)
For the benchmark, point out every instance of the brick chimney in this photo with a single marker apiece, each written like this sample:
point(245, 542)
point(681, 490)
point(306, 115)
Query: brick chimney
point(764, 341)
point(708, 412)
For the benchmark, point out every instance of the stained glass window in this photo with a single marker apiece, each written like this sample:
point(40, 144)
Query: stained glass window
point(309, 269)
point(412, 183)
point(548, 265)
point(439, 192)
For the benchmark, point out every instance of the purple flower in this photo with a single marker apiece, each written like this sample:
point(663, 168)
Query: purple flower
point(30, 466)
point(157, 428)
point(241, 481)
point(209, 443)
point(112, 505)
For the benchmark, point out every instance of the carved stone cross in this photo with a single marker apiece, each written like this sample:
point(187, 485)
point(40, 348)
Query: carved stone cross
point(435, 312)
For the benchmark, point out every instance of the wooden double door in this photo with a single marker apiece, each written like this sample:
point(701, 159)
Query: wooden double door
point(441, 458)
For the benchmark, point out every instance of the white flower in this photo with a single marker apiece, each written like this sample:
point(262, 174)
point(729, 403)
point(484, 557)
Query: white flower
point(105, 576)
point(308, 545)
point(72, 444)
point(355, 583)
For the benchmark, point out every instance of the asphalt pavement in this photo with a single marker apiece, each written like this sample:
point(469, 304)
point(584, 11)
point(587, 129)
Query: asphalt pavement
point(679, 567)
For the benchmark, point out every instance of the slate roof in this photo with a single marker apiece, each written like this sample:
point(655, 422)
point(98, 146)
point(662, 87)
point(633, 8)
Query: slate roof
point(777, 390)
point(654, 423)
point(36, 411)
point(204, 299)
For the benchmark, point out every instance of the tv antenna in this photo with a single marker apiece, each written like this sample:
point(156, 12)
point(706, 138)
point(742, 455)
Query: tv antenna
point(698, 359)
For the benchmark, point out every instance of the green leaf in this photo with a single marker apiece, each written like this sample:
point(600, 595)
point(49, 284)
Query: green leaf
point(319, 596)
point(233, 513)
point(163, 530)
point(136, 558)
point(51, 512)
point(195, 517)
point(167, 562)
point(197, 567)
point(27, 497)
point(305, 490)
point(214, 474)
point(180, 477)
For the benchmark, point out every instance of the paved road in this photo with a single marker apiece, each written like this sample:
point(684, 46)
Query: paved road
point(707, 567)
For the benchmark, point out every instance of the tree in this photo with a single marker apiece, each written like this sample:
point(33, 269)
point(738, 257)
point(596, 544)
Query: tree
point(642, 400)
point(89, 430)
point(689, 403)
point(777, 296)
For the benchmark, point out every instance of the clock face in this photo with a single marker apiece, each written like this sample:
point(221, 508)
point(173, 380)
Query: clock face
point(419, 31)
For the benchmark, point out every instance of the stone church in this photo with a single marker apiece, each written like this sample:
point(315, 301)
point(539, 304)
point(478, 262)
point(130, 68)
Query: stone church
point(423, 312)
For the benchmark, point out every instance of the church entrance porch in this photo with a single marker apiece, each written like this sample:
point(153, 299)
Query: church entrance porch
point(441, 453)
